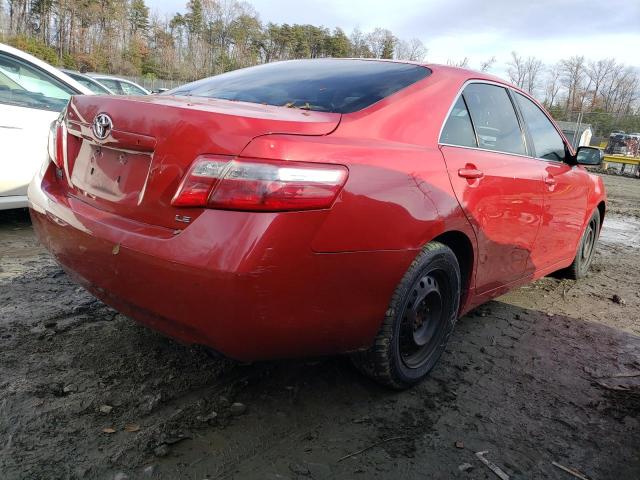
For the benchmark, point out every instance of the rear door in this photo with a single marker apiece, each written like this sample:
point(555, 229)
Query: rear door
point(497, 184)
point(566, 189)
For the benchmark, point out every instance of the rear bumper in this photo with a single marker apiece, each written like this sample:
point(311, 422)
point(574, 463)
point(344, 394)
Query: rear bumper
point(245, 284)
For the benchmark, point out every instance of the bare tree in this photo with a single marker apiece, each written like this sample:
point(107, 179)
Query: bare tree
point(381, 43)
point(359, 47)
point(572, 74)
point(464, 63)
point(552, 86)
point(598, 72)
point(517, 70)
point(412, 50)
point(525, 73)
point(486, 65)
point(532, 68)
point(626, 91)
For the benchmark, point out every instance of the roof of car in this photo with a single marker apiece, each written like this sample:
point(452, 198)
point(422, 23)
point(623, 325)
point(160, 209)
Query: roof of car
point(53, 71)
point(458, 72)
point(465, 72)
point(100, 75)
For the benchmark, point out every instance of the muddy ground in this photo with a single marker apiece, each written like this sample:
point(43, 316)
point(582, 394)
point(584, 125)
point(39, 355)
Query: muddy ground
point(549, 372)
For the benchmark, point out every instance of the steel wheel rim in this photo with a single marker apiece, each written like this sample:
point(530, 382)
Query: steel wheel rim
point(423, 320)
point(589, 241)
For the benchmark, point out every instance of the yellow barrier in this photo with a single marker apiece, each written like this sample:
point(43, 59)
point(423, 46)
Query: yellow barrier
point(620, 159)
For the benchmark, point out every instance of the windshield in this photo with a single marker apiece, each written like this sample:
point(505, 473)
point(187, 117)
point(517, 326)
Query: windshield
point(326, 85)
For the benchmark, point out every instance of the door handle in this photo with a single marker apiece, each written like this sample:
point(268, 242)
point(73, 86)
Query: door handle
point(470, 173)
point(550, 181)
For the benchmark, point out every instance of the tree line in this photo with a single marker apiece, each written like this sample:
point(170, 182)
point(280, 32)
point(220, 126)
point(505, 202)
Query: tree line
point(215, 36)
point(210, 37)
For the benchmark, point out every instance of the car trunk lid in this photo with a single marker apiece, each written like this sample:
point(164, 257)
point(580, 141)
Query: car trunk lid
point(150, 142)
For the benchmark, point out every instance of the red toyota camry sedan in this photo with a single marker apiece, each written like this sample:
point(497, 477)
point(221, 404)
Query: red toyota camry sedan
point(316, 207)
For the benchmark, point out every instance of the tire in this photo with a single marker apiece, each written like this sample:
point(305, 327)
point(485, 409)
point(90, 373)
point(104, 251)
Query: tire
point(417, 325)
point(586, 249)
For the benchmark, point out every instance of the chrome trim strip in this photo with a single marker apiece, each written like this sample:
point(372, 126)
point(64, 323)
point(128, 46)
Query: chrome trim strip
point(555, 162)
point(488, 150)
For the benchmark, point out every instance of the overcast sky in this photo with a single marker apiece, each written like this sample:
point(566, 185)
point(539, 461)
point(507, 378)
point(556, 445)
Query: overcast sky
point(478, 29)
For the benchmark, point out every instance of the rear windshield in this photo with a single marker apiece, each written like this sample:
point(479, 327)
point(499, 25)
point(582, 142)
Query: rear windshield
point(325, 85)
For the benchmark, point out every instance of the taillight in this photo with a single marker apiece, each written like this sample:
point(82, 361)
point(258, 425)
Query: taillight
point(259, 185)
point(57, 143)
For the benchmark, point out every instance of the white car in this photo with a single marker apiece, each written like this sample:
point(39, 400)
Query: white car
point(32, 95)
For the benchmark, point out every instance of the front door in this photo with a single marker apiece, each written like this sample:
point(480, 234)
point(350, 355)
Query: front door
point(566, 189)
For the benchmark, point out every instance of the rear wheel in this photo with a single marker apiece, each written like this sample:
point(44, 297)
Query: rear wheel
point(419, 321)
point(586, 249)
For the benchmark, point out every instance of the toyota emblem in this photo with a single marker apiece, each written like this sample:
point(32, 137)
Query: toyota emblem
point(102, 126)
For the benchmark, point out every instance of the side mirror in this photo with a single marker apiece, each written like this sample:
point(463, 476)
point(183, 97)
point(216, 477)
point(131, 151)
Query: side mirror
point(589, 156)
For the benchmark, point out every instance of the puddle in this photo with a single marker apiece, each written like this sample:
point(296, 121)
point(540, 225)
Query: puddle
point(621, 231)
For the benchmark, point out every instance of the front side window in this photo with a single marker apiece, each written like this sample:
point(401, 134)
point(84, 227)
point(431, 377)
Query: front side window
point(324, 85)
point(547, 142)
point(458, 130)
point(494, 118)
point(24, 85)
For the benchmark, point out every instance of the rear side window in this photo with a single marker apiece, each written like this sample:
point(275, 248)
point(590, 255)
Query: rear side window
point(87, 82)
point(494, 118)
point(325, 85)
point(130, 89)
point(112, 85)
point(458, 130)
point(546, 140)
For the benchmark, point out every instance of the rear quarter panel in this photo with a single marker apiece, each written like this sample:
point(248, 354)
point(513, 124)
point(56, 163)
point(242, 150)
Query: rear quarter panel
point(397, 196)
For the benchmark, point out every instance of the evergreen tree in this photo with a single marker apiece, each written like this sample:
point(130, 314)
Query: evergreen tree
point(138, 17)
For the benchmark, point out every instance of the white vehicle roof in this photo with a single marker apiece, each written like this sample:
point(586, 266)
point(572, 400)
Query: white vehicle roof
point(54, 72)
